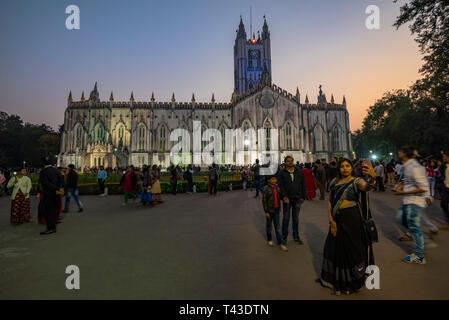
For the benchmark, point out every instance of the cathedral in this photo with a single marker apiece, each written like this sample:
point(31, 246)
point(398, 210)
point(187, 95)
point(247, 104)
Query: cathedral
point(117, 134)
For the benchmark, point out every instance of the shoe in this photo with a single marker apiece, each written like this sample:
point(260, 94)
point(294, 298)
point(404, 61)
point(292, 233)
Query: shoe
point(406, 237)
point(299, 241)
point(284, 248)
point(414, 259)
point(270, 243)
point(80, 210)
point(46, 232)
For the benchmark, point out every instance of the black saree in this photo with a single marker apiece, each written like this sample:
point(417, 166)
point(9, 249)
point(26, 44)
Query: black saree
point(346, 256)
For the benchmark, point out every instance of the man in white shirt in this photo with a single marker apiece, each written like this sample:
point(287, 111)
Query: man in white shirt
point(415, 187)
point(379, 170)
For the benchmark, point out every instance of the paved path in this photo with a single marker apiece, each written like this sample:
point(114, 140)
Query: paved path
point(199, 247)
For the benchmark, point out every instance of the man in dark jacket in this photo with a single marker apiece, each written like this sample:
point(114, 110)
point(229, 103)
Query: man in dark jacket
point(52, 187)
point(71, 189)
point(293, 189)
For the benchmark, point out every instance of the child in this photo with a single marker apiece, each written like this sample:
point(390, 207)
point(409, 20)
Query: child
point(271, 205)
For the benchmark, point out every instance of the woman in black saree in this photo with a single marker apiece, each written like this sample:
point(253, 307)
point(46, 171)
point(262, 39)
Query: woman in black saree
point(347, 252)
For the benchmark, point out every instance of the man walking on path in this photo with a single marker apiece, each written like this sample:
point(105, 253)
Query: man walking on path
point(101, 177)
point(293, 190)
point(414, 189)
point(379, 170)
point(71, 189)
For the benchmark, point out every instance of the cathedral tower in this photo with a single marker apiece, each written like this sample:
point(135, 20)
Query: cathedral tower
point(251, 57)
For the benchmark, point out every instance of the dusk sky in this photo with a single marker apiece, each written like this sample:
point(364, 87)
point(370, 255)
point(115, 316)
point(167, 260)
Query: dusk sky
point(187, 46)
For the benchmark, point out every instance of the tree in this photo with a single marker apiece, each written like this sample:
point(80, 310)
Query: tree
point(429, 22)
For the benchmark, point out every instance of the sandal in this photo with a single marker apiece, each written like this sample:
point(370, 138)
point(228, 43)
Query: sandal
point(406, 238)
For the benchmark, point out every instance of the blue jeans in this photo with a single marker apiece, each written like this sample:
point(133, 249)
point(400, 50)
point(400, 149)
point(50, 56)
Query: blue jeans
point(258, 185)
point(72, 192)
point(274, 219)
point(411, 217)
point(292, 207)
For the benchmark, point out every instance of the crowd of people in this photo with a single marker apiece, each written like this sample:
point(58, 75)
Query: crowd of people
point(348, 246)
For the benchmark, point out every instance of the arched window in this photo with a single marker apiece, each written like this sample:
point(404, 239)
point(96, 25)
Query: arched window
point(223, 143)
point(267, 127)
point(141, 137)
point(246, 126)
point(120, 133)
point(336, 136)
point(79, 137)
point(162, 138)
point(288, 136)
point(203, 143)
point(318, 138)
point(99, 132)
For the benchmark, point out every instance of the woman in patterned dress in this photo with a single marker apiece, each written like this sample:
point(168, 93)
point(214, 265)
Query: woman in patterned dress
point(20, 198)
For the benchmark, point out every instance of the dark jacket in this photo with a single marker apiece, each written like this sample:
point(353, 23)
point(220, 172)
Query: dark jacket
point(72, 180)
point(51, 181)
point(268, 199)
point(295, 189)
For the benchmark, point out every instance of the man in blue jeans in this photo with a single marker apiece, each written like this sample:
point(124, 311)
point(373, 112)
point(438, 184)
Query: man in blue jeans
point(414, 188)
point(71, 189)
point(293, 189)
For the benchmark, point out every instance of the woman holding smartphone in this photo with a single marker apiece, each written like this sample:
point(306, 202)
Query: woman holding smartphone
point(20, 198)
point(346, 256)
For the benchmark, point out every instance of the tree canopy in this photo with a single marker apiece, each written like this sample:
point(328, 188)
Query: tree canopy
point(25, 142)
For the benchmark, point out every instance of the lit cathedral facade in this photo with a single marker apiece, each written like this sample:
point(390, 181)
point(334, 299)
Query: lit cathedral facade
point(117, 134)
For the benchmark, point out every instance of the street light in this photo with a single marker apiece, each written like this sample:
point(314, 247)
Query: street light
point(374, 157)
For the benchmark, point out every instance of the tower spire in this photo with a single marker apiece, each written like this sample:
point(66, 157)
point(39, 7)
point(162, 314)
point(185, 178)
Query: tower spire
point(173, 97)
point(344, 100)
point(111, 98)
point(152, 96)
point(82, 97)
point(213, 97)
point(332, 99)
point(193, 97)
point(307, 100)
point(132, 97)
point(69, 99)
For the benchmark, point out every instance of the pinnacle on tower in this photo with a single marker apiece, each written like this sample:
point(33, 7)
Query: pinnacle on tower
point(344, 100)
point(265, 32)
point(111, 98)
point(241, 33)
point(213, 98)
point(193, 97)
point(332, 99)
point(307, 100)
point(152, 96)
point(95, 87)
point(173, 97)
point(70, 97)
point(82, 97)
point(132, 97)
point(297, 91)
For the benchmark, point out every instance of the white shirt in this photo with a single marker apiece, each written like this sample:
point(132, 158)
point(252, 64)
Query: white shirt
point(415, 177)
point(379, 170)
point(24, 184)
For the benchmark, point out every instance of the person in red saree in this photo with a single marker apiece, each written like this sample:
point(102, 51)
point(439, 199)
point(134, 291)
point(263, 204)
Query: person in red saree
point(129, 183)
point(310, 182)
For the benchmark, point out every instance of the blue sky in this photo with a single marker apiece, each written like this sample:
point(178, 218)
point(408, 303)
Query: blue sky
point(187, 46)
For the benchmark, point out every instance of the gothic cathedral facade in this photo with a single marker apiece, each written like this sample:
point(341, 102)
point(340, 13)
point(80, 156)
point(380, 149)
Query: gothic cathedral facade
point(117, 134)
